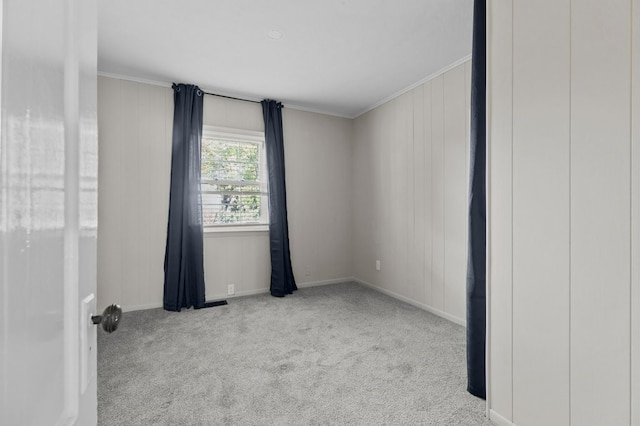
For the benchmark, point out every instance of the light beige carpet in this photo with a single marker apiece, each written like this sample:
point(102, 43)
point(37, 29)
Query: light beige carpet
point(334, 355)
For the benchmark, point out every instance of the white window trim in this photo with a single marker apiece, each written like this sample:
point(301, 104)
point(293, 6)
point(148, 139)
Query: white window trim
point(239, 135)
point(230, 229)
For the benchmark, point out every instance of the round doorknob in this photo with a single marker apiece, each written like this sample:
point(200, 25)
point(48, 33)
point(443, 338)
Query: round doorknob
point(109, 318)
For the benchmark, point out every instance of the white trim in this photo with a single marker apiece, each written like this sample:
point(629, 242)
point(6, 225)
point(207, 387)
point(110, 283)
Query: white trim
point(317, 111)
point(219, 92)
point(488, 210)
point(634, 377)
point(135, 79)
point(299, 107)
point(414, 85)
point(412, 302)
point(221, 296)
point(140, 307)
point(499, 420)
point(212, 230)
point(324, 282)
point(310, 284)
point(256, 140)
point(266, 289)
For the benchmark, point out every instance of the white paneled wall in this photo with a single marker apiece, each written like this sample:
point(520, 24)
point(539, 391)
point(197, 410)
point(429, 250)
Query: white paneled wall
point(134, 140)
point(635, 214)
point(318, 173)
point(600, 211)
point(541, 212)
point(456, 111)
point(564, 212)
point(410, 173)
point(499, 206)
point(135, 126)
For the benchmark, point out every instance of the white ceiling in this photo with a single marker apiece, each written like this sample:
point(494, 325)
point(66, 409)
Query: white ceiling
point(341, 57)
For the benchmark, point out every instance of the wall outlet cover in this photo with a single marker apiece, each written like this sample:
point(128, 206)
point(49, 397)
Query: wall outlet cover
point(231, 289)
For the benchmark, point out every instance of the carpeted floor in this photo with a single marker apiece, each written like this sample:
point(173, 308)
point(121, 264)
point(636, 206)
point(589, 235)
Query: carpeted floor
point(334, 355)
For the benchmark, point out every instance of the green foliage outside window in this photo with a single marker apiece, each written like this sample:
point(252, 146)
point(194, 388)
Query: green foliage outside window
point(230, 175)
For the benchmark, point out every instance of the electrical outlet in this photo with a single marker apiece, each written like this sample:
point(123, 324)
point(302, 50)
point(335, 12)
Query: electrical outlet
point(307, 271)
point(231, 289)
point(377, 265)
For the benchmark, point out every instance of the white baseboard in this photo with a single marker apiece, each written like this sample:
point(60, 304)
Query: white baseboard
point(315, 284)
point(412, 302)
point(497, 419)
point(132, 308)
point(324, 282)
point(266, 289)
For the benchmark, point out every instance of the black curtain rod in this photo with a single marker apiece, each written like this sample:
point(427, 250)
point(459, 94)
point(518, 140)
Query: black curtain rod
point(230, 97)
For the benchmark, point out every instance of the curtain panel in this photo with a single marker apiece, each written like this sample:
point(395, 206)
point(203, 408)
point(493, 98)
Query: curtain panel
point(282, 280)
point(477, 256)
point(183, 261)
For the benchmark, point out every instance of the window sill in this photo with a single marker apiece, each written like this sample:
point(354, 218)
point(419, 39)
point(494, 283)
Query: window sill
point(234, 229)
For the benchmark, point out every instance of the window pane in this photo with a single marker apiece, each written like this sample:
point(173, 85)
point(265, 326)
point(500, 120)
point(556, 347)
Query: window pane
point(230, 161)
point(230, 208)
point(231, 188)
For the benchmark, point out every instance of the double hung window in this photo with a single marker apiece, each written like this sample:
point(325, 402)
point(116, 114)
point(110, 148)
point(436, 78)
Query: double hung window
point(233, 178)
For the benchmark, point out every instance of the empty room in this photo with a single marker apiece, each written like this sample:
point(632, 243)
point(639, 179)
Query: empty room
point(339, 212)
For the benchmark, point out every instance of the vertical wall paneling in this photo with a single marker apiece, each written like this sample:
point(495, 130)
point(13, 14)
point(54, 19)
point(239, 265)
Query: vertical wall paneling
point(427, 189)
point(635, 216)
point(500, 202)
point(455, 202)
point(438, 192)
point(571, 91)
point(418, 257)
point(153, 144)
point(318, 193)
point(393, 273)
point(600, 206)
point(410, 172)
point(377, 199)
point(541, 212)
point(130, 184)
point(401, 204)
point(362, 225)
point(390, 155)
point(109, 214)
point(408, 232)
point(133, 200)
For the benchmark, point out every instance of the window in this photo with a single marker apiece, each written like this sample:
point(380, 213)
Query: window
point(233, 183)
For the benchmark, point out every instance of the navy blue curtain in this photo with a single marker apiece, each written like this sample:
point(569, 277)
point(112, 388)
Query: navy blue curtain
point(282, 280)
point(476, 260)
point(183, 260)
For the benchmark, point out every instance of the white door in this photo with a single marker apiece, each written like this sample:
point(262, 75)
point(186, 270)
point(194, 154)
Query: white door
point(48, 219)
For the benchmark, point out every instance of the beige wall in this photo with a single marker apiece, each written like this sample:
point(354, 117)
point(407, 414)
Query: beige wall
point(564, 212)
point(410, 194)
point(134, 142)
point(135, 122)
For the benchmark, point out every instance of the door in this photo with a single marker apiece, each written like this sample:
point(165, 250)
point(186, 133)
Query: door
point(48, 218)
